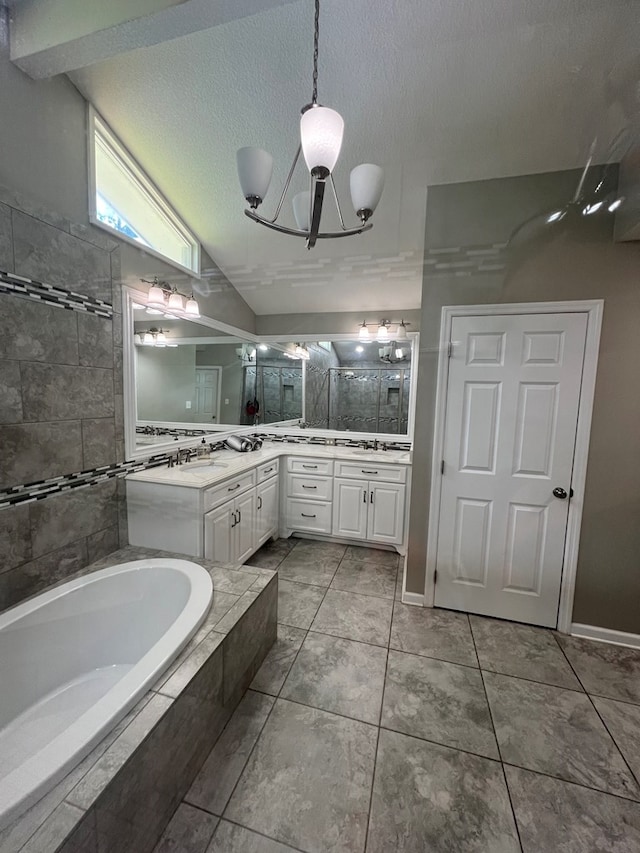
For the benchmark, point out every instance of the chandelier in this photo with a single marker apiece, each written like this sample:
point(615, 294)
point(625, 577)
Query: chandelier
point(321, 130)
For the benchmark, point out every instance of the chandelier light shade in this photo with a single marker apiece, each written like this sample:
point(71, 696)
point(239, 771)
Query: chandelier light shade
point(301, 207)
point(366, 182)
point(321, 133)
point(255, 167)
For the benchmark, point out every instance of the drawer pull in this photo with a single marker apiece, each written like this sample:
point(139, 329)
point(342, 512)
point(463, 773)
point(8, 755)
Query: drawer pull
point(309, 487)
point(233, 488)
point(368, 472)
point(235, 520)
point(304, 515)
point(267, 470)
point(309, 466)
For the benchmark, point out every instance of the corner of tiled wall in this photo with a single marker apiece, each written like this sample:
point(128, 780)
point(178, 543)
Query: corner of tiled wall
point(61, 398)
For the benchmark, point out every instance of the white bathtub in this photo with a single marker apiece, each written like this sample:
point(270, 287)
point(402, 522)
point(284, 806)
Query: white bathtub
point(75, 659)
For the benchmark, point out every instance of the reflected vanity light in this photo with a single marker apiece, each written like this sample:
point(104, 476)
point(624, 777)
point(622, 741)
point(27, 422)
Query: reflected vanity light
point(152, 338)
point(359, 348)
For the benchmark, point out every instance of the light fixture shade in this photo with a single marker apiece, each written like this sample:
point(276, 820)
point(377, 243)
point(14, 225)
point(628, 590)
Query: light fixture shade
point(363, 334)
point(161, 341)
point(383, 332)
point(399, 353)
point(191, 308)
point(176, 303)
point(147, 340)
point(137, 339)
point(366, 182)
point(255, 167)
point(301, 203)
point(155, 297)
point(401, 332)
point(321, 130)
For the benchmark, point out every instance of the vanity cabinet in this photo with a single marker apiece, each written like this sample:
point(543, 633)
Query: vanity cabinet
point(309, 490)
point(368, 508)
point(229, 530)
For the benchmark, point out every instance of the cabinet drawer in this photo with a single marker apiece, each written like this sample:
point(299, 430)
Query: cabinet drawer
point(308, 515)
point(228, 490)
point(268, 469)
point(310, 466)
point(313, 488)
point(372, 471)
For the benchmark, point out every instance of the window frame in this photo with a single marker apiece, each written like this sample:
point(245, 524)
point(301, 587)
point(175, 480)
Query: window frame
point(96, 124)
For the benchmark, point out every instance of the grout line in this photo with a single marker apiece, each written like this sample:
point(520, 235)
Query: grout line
point(572, 782)
point(495, 734)
point(634, 777)
point(262, 834)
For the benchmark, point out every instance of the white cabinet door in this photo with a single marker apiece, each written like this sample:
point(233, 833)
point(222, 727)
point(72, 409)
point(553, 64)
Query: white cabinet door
point(386, 513)
point(266, 511)
point(511, 413)
point(244, 530)
point(350, 501)
point(219, 530)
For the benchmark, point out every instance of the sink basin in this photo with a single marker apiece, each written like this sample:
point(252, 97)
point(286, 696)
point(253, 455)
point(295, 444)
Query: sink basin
point(202, 465)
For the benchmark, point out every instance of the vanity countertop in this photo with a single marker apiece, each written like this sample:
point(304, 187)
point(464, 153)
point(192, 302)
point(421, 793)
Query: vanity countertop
point(229, 463)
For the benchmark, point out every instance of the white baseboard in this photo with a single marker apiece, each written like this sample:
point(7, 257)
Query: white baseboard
point(413, 598)
point(605, 635)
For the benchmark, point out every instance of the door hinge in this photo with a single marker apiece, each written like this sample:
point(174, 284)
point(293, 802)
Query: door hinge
point(442, 467)
point(435, 577)
point(449, 349)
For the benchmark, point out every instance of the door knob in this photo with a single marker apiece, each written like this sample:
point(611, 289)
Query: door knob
point(559, 492)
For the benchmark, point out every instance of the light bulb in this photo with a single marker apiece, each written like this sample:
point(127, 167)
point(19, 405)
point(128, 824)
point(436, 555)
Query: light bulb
point(363, 334)
point(255, 167)
point(191, 308)
point(366, 182)
point(321, 131)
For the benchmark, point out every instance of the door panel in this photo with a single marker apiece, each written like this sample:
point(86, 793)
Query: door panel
point(266, 510)
point(511, 414)
point(218, 534)
point(245, 528)
point(350, 503)
point(386, 513)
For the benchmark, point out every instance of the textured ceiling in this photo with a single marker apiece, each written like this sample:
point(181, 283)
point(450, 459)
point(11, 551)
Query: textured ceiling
point(433, 90)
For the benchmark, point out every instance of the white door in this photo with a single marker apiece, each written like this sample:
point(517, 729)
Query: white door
point(266, 510)
point(511, 415)
point(386, 513)
point(350, 504)
point(219, 534)
point(245, 528)
point(207, 395)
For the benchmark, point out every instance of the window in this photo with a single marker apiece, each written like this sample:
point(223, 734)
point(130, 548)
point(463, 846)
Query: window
point(124, 200)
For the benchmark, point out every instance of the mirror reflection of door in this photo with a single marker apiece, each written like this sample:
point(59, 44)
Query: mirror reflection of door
point(207, 395)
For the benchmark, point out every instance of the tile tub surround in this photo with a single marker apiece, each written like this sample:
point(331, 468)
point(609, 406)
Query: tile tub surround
point(59, 408)
point(276, 781)
point(122, 796)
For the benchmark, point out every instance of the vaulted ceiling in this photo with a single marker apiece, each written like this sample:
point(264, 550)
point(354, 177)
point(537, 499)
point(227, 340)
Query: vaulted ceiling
point(435, 91)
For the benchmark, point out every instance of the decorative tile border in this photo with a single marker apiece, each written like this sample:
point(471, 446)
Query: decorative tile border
point(42, 489)
point(57, 296)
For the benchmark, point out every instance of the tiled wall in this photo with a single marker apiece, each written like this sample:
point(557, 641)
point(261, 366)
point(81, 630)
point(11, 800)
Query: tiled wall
point(317, 385)
point(61, 404)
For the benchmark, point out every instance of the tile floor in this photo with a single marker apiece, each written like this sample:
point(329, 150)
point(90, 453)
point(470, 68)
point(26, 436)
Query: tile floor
point(377, 726)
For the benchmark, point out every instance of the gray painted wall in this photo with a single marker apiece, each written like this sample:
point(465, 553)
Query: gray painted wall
point(561, 263)
point(288, 326)
point(165, 380)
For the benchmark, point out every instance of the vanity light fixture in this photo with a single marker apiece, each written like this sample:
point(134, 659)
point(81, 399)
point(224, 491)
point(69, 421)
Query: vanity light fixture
point(163, 298)
point(321, 131)
point(301, 352)
point(384, 331)
point(152, 338)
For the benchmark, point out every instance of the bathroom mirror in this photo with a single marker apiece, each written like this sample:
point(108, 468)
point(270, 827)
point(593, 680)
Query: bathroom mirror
point(277, 383)
point(184, 377)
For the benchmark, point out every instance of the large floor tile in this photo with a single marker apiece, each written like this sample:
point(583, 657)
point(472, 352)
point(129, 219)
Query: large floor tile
point(338, 675)
point(434, 633)
point(439, 701)
point(564, 818)
point(298, 603)
point(365, 578)
point(216, 780)
point(308, 781)
point(428, 797)
point(231, 838)
point(521, 650)
point(272, 553)
point(605, 669)
point(189, 831)
point(623, 721)
point(372, 555)
point(275, 667)
point(555, 731)
point(303, 567)
point(355, 617)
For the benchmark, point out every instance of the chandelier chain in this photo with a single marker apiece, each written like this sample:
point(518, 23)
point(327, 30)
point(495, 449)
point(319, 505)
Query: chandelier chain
point(316, 33)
